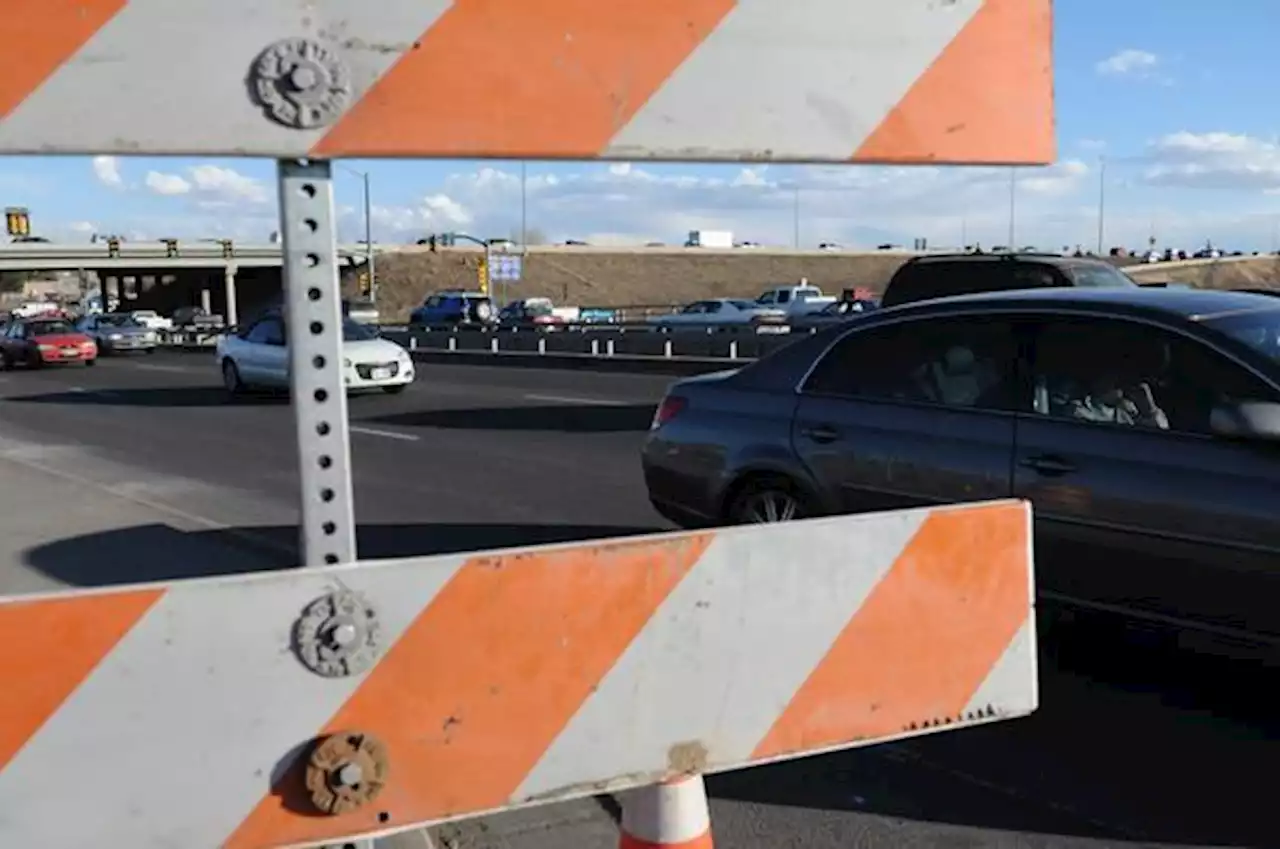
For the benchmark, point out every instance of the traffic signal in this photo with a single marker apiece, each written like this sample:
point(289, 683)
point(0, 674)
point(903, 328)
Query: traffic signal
point(17, 221)
point(483, 274)
point(363, 281)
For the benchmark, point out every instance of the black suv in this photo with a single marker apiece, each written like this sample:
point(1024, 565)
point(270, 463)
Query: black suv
point(943, 275)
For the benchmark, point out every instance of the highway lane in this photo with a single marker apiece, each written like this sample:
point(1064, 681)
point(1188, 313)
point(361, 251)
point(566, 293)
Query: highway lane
point(1133, 747)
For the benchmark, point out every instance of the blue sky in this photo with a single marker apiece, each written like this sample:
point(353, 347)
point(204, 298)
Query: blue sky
point(1179, 102)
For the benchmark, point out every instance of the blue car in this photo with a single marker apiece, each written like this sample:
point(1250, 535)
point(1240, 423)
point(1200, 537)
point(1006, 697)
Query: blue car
point(454, 308)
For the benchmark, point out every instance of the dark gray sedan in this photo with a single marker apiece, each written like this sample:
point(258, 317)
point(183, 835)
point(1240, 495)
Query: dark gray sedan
point(1143, 425)
point(118, 333)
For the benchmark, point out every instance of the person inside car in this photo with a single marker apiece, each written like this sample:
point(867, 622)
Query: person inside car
point(1098, 383)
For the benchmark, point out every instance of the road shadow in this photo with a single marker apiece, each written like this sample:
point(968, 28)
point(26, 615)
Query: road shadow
point(159, 396)
point(159, 552)
point(563, 418)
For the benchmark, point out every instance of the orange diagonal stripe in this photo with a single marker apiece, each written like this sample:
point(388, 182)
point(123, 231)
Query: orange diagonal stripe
point(40, 35)
point(987, 98)
point(484, 680)
point(924, 640)
point(53, 645)
point(551, 78)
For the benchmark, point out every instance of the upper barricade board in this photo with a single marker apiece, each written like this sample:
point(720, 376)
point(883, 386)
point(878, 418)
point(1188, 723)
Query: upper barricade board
point(905, 81)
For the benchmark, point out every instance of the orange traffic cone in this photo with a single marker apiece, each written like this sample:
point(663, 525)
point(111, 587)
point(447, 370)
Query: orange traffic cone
point(671, 815)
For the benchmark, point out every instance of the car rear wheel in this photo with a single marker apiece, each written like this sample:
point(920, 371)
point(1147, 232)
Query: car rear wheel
point(91, 362)
point(766, 500)
point(231, 378)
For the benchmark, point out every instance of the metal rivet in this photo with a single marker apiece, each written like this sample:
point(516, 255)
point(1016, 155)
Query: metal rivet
point(337, 635)
point(301, 83)
point(346, 771)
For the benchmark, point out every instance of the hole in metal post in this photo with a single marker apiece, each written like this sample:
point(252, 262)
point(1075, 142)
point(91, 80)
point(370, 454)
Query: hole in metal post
point(321, 396)
point(329, 528)
point(313, 293)
point(307, 190)
point(318, 361)
point(325, 461)
point(316, 328)
point(323, 428)
point(311, 225)
point(330, 559)
point(313, 260)
point(327, 495)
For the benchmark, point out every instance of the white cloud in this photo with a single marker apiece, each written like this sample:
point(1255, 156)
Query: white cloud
point(107, 170)
point(166, 184)
point(435, 213)
point(84, 227)
point(1215, 160)
point(224, 184)
point(1129, 62)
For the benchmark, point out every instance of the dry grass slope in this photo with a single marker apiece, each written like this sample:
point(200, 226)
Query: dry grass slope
point(597, 277)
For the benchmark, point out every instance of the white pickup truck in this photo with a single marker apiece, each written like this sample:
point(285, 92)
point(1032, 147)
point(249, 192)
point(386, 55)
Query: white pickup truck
point(795, 300)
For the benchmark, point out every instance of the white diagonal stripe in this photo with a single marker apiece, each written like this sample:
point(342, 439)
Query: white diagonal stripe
point(147, 711)
point(811, 80)
point(767, 608)
point(171, 75)
point(1012, 685)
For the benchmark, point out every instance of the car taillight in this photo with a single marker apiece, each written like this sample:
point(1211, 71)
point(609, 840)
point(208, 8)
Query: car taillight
point(671, 406)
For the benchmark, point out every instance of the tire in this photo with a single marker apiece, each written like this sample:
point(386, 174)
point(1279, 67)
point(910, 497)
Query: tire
point(765, 500)
point(395, 390)
point(5, 362)
point(481, 312)
point(231, 379)
point(91, 363)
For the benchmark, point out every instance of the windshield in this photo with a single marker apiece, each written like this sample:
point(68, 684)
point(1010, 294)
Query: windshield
point(1099, 275)
point(118, 321)
point(1258, 329)
point(538, 307)
point(353, 331)
point(48, 328)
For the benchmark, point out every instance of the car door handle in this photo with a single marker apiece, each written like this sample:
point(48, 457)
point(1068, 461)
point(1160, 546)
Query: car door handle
point(1049, 465)
point(821, 434)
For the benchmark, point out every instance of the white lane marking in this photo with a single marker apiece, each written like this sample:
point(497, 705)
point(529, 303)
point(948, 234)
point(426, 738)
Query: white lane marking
point(388, 434)
point(154, 367)
point(565, 399)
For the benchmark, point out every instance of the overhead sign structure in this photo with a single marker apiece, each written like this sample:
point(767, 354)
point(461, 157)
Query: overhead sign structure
point(965, 81)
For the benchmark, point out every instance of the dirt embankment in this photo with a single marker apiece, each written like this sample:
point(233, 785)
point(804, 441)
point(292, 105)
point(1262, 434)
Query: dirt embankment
point(598, 277)
point(606, 278)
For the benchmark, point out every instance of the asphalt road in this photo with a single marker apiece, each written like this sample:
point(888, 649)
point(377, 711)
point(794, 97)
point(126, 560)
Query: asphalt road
point(1134, 746)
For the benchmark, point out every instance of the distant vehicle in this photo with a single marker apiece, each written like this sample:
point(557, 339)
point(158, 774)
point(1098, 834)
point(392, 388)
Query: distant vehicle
point(1142, 424)
point(795, 300)
point(575, 243)
point(118, 333)
point(709, 239)
point(830, 246)
point(455, 308)
point(36, 342)
point(152, 319)
point(361, 310)
point(944, 275)
point(31, 309)
point(197, 319)
point(537, 313)
point(257, 356)
point(726, 311)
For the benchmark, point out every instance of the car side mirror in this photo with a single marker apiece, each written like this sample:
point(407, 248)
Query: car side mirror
point(1246, 420)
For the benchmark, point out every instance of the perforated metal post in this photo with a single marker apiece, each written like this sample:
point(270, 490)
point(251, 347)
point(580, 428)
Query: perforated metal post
point(313, 315)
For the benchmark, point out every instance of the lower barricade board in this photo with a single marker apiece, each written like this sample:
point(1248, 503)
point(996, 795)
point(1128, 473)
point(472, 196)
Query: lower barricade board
point(194, 713)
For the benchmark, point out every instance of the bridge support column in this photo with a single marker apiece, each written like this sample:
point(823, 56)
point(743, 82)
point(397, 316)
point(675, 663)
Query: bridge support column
point(229, 290)
point(206, 300)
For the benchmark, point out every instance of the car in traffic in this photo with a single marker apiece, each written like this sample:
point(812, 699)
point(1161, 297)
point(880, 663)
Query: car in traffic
point(722, 311)
point(152, 320)
point(361, 310)
point(943, 275)
point(37, 342)
point(118, 333)
point(256, 356)
point(838, 312)
point(535, 313)
point(1142, 424)
point(455, 308)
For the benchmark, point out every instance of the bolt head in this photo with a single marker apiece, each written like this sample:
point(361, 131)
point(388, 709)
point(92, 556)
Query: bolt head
point(344, 634)
point(349, 775)
point(303, 78)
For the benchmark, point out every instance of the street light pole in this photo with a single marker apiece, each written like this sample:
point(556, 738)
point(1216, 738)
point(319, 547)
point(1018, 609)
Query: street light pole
point(368, 239)
point(524, 207)
point(1102, 200)
point(1013, 201)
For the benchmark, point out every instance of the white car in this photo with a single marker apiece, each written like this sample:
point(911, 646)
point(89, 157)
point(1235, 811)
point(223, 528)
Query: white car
point(256, 356)
point(152, 320)
point(722, 311)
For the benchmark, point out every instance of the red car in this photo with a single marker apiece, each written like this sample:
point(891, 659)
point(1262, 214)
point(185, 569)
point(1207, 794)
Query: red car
point(35, 342)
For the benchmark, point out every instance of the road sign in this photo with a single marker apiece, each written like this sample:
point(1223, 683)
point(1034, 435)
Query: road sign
point(965, 81)
point(506, 267)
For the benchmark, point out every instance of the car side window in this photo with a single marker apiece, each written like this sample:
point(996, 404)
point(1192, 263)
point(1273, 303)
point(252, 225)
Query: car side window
point(1118, 373)
point(269, 331)
point(17, 331)
point(1030, 276)
point(967, 361)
